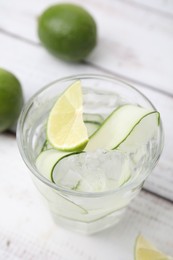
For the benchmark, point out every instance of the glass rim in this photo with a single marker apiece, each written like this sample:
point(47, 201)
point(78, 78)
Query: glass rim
point(128, 186)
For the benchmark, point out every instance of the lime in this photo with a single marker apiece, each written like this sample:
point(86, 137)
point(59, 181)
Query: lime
point(68, 31)
point(144, 250)
point(11, 99)
point(66, 130)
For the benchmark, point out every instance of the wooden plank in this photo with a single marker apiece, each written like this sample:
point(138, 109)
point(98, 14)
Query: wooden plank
point(160, 6)
point(135, 44)
point(36, 68)
point(28, 232)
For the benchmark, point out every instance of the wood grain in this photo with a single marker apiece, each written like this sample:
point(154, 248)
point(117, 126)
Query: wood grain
point(133, 43)
point(162, 7)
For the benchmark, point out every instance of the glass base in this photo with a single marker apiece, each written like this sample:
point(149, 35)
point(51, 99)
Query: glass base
point(89, 228)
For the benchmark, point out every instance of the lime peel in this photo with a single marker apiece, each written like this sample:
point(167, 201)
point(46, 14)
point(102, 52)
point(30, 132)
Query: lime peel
point(11, 99)
point(68, 31)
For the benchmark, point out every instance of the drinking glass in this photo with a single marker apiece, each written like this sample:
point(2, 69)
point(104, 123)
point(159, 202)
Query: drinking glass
point(84, 212)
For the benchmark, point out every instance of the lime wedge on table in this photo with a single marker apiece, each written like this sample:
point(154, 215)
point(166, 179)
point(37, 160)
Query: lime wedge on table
point(66, 130)
point(127, 127)
point(144, 250)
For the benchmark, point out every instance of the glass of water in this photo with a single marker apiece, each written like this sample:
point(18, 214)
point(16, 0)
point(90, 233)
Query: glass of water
point(99, 203)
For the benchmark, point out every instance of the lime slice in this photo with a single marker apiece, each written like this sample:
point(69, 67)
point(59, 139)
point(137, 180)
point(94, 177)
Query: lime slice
point(144, 250)
point(66, 130)
point(127, 127)
point(92, 123)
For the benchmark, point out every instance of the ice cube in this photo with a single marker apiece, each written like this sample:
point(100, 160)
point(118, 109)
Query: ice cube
point(96, 171)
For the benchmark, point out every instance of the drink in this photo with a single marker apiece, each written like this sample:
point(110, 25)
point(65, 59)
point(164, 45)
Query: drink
point(91, 196)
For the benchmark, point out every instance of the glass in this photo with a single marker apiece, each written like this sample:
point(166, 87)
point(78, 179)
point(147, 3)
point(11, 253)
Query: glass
point(84, 212)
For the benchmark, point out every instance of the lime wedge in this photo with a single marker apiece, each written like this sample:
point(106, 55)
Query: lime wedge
point(66, 130)
point(144, 250)
point(127, 127)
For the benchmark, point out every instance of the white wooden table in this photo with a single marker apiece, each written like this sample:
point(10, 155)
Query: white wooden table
point(136, 44)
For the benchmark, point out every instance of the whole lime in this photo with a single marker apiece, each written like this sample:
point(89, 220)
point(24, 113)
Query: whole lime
point(68, 31)
point(11, 99)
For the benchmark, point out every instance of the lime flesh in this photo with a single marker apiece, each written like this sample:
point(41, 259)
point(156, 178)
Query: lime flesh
point(144, 250)
point(66, 130)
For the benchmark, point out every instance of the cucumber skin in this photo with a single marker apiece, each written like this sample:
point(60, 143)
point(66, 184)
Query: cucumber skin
point(107, 119)
point(51, 174)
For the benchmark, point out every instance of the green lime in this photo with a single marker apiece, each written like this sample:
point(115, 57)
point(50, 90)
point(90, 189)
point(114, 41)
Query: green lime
point(11, 99)
point(68, 31)
point(66, 130)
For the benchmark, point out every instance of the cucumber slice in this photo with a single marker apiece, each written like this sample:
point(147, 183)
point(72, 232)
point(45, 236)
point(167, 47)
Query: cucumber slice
point(92, 127)
point(128, 126)
point(45, 163)
point(79, 172)
point(92, 122)
point(92, 218)
point(47, 160)
point(93, 118)
point(126, 174)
